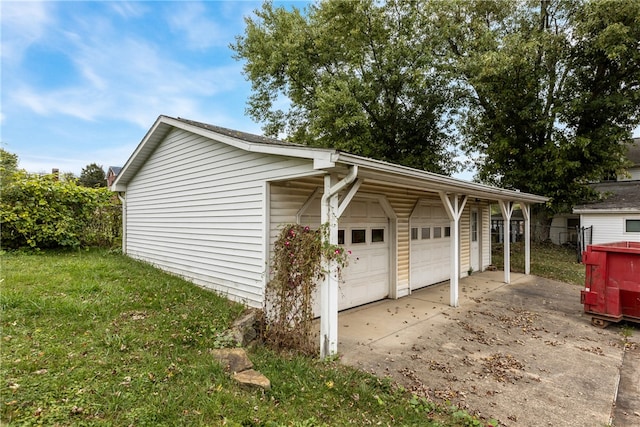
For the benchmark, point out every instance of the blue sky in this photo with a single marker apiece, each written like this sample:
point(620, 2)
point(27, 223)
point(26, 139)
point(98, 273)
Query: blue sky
point(82, 82)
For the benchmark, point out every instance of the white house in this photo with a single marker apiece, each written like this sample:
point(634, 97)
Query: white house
point(616, 216)
point(206, 203)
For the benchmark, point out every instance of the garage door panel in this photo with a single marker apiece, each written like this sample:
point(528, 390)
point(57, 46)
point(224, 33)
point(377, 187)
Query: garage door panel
point(366, 277)
point(430, 245)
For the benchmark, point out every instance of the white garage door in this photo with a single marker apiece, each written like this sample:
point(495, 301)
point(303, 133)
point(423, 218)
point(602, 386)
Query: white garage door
point(364, 230)
point(430, 245)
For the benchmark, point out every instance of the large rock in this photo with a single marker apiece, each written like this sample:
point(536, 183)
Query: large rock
point(252, 379)
point(246, 328)
point(232, 359)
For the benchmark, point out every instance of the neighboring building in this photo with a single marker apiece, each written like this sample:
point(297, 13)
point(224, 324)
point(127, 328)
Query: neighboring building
point(516, 229)
point(206, 203)
point(616, 216)
point(112, 174)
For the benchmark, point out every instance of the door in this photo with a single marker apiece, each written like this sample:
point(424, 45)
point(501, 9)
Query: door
point(363, 229)
point(474, 228)
point(430, 244)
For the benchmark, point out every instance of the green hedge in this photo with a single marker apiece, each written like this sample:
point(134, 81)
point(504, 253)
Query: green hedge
point(44, 212)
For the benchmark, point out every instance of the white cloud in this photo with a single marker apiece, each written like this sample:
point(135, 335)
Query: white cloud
point(200, 32)
point(23, 23)
point(128, 9)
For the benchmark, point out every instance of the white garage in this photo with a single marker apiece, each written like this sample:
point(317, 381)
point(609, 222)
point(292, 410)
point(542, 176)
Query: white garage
point(430, 244)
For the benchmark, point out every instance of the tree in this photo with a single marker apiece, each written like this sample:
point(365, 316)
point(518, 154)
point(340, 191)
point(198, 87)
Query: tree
point(8, 166)
point(93, 176)
point(553, 90)
point(355, 79)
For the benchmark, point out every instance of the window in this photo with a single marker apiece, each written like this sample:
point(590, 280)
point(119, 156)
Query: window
point(437, 232)
point(377, 235)
point(632, 226)
point(414, 233)
point(358, 236)
point(426, 233)
point(447, 232)
point(474, 226)
point(341, 237)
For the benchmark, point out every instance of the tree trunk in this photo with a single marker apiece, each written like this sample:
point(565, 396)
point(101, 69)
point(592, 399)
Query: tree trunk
point(540, 223)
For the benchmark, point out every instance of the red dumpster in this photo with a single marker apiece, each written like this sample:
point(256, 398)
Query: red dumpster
point(612, 282)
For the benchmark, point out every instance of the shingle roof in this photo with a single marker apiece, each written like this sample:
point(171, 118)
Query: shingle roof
point(633, 154)
point(616, 195)
point(249, 137)
point(116, 169)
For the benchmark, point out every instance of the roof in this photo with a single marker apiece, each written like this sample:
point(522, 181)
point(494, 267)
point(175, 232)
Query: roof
point(116, 169)
point(324, 159)
point(633, 152)
point(617, 196)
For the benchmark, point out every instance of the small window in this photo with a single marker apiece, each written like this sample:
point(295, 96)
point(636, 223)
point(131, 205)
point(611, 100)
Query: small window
point(632, 226)
point(341, 237)
point(358, 236)
point(426, 233)
point(414, 233)
point(377, 235)
point(437, 232)
point(447, 232)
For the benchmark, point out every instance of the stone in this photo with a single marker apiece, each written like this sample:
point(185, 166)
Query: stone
point(232, 359)
point(252, 379)
point(245, 329)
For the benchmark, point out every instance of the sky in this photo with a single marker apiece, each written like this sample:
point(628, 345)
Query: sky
point(82, 82)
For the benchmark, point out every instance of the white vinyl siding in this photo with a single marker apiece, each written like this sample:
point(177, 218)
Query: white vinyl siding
point(609, 227)
point(196, 209)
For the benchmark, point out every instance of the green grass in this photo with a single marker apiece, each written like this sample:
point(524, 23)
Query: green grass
point(95, 338)
point(547, 260)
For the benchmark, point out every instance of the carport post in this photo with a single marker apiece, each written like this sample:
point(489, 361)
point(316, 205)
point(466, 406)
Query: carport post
point(526, 212)
point(454, 211)
point(329, 285)
point(329, 208)
point(507, 209)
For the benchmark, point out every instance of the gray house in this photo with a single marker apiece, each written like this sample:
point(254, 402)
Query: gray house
point(206, 203)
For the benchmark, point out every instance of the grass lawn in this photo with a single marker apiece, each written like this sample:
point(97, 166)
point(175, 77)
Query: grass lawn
point(95, 338)
point(547, 260)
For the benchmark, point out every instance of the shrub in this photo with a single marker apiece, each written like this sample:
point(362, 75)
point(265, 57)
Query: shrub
point(42, 212)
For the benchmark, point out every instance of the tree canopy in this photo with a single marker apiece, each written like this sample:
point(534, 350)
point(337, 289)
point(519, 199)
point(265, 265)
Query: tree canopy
point(93, 176)
point(349, 75)
point(542, 93)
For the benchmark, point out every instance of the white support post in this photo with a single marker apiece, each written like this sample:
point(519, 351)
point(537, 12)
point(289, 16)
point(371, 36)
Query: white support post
point(526, 212)
point(329, 285)
point(329, 214)
point(454, 209)
point(507, 209)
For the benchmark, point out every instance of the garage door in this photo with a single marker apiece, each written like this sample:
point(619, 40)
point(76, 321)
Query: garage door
point(430, 245)
point(364, 230)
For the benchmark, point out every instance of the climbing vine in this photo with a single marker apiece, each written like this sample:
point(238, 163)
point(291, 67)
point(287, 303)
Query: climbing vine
point(296, 269)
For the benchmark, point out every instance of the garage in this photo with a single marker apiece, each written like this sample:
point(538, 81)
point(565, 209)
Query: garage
point(430, 244)
point(363, 230)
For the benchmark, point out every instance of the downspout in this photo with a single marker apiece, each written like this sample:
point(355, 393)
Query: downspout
point(123, 200)
point(329, 285)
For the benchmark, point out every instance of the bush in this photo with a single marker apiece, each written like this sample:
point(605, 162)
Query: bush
point(42, 212)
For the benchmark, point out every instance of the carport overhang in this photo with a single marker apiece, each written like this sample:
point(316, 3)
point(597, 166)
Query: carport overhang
point(346, 172)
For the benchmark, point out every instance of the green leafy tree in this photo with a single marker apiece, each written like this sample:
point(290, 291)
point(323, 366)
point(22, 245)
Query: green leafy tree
point(553, 90)
point(93, 176)
point(354, 76)
point(8, 166)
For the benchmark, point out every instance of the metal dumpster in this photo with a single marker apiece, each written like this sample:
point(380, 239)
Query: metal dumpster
point(612, 282)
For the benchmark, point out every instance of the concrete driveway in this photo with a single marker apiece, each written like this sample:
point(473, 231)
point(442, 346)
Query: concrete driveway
point(524, 354)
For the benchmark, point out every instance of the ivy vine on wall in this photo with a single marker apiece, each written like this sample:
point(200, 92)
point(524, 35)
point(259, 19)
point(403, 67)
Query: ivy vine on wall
point(296, 271)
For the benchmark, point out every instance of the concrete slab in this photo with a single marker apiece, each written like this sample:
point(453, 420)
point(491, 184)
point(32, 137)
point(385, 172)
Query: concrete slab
point(524, 353)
